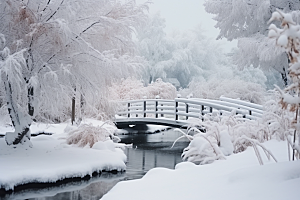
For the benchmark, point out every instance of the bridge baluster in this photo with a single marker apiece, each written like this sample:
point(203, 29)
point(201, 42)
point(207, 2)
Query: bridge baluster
point(176, 110)
point(128, 115)
point(144, 108)
point(202, 109)
point(202, 113)
point(187, 110)
point(156, 114)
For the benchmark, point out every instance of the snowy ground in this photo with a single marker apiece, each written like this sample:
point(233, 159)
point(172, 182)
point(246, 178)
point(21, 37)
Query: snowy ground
point(51, 159)
point(238, 177)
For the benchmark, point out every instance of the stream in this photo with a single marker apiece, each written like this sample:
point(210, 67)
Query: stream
point(149, 151)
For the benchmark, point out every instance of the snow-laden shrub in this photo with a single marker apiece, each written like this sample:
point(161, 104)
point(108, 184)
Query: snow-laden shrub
point(162, 89)
point(127, 89)
point(232, 88)
point(202, 149)
point(233, 134)
point(224, 135)
point(87, 134)
point(277, 119)
point(275, 123)
point(131, 88)
point(199, 151)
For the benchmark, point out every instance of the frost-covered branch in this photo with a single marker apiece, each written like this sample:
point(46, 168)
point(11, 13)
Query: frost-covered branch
point(288, 38)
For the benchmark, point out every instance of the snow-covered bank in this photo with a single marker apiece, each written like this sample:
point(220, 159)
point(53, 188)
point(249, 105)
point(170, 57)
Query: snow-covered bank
point(51, 159)
point(238, 177)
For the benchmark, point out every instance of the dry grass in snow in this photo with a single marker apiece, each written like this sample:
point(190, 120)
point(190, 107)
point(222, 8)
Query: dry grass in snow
point(87, 134)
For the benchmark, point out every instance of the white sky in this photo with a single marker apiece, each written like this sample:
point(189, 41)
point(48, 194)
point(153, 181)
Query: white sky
point(185, 15)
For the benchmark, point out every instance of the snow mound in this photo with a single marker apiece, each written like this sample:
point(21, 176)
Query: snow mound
point(238, 177)
point(185, 165)
point(104, 145)
point(226, 145)
point(51, 159)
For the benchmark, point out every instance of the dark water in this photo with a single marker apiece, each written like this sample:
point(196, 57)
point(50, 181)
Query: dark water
point(149, 151)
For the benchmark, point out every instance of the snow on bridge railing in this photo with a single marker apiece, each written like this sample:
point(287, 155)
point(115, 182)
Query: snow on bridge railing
point(244, 103)
point(256, 110)
point(185, 108)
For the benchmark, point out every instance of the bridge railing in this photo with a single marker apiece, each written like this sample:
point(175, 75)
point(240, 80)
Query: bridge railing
point(147, 108)
point(182, 109)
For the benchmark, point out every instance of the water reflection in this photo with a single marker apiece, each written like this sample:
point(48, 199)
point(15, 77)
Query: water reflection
point(152, 150)
point(149, 151)
point(93, 188)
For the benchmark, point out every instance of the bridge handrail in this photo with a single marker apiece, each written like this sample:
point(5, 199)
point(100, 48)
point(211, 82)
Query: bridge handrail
point(187, 108)
point(210, 104)
point(141, 100)
point(236, 101)
point(238, 106)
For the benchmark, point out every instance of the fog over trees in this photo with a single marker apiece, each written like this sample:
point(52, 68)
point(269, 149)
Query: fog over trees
point(192, 56)
point(247, 21)
point(183, 55)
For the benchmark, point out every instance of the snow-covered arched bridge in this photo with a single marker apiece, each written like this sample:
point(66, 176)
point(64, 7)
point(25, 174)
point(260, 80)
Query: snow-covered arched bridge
point(177, 112)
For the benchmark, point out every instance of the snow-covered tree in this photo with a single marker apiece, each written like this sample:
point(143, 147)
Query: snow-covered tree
point(288, 37)
point(52, 48)
point(233, 88)
point(181, 55)
point(155, 47)
point(246, 20)
point(195, 55)
point(11, 76)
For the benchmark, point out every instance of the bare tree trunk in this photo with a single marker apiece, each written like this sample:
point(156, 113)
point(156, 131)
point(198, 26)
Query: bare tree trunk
point(295, 131)
point(73, 111)
point(82, 103)
point(30, 101)
point(284, 73)
point(284, 78)
point(21, 121)
point(150, 80)
point(73, 108)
